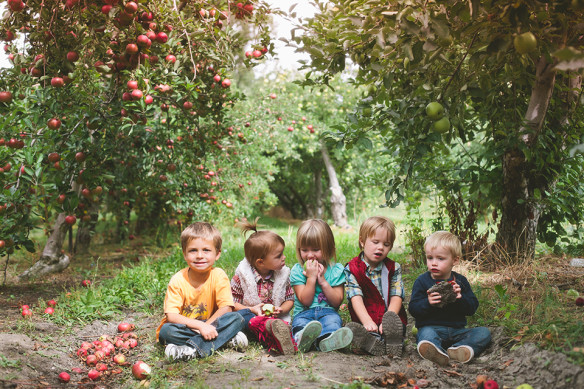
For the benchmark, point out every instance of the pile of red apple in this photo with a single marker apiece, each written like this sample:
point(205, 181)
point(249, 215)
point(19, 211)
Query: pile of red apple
point(26, 311)
point(105, 355)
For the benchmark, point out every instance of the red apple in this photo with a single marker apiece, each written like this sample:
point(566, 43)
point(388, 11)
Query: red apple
point(141, 370)
point(70, 219)
point(132, 84)
point(226, 83)
point(123, 327)
point(256, 53)
point(72, 56)
point(490, 384)
point(170, 58)
point(5, 97)
point(131, 7)
point(54, 157)
point(54, 124)
point(52, 303)
point(161, 37)
point(148, 99)
point(57, 82)
point(26, 313)
point(580, 301)
point(120, 359)
point(131, 48)
point(80, 156)
point(85, 283)
point(64, 377)
point(93, 374)
point(49, 310)
point(137, 94)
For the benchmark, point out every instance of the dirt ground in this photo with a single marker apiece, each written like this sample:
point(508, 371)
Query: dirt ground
point(33, 353)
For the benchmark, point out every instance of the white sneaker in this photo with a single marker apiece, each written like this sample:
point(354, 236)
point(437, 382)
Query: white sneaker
point(184, 352)
point(239, 341)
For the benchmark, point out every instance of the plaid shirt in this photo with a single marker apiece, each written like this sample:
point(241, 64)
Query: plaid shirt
point(265, 287)
point(353, 289)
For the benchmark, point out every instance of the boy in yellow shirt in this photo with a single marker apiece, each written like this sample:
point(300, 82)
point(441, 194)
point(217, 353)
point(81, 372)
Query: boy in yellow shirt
point(198, 305)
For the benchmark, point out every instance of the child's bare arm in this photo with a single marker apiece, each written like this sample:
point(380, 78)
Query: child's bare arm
point(284, 308)
point(207, 331)
point(256, 309)
point(395, 304)
point(305, 292)
point(220, 312)
point(334, 294)
point(361, 312)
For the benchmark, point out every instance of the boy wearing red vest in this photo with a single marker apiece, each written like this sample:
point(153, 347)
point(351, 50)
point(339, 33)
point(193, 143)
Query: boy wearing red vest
point(375, 292)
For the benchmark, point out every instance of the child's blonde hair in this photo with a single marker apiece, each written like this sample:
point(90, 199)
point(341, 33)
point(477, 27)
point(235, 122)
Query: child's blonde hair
point(201, 230)
point(316, 233)
point(447, 240)
point(372, 224)
point(260, 243)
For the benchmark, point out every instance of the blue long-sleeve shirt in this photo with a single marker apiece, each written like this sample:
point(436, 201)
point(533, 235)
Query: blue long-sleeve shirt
point(452, 315)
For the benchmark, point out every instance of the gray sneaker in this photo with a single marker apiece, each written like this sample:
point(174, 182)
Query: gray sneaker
point(393, 334)
point(339, 339)
point(306, 337)
point(239, 342)
point(363, 340)
point(184, 352)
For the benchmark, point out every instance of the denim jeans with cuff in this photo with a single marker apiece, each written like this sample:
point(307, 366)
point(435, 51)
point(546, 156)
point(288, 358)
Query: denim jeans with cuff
point(227, 325)
point(478, 338)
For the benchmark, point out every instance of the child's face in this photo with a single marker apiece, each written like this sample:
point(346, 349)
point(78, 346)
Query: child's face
point(201, 254)
point(376, 247)
point(310, 253)
point(440, 262)
point(275, 260)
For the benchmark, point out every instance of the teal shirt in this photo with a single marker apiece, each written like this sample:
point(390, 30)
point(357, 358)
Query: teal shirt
point(334, 275)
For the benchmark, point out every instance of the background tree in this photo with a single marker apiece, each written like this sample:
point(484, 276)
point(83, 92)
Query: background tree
point(115, 109)
point(509, 78)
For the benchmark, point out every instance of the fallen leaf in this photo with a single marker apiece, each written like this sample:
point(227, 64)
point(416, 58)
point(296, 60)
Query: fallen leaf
point(412, 381)
point(258, 379)
point(44, 383)
point(509, 362)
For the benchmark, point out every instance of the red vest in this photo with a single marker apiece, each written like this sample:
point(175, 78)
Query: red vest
point(374, 302)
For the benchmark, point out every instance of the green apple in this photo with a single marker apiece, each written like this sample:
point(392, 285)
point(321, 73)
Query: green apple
point(434, 110)
point(525, 43)
point(524, 386)
point(414, 330)
point(268, 309)
point(572, 293)
point(442, 125)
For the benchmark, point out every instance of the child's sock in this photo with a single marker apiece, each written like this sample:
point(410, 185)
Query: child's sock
point(393, 333)
point(306, 337)
point(339, 339)
point(365, 341)
point(281, 333)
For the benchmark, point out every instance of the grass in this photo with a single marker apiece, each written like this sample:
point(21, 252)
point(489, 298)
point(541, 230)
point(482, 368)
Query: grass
point(537, 312)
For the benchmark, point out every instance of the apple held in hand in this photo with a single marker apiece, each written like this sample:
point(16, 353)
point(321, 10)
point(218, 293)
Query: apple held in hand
point(268, 309)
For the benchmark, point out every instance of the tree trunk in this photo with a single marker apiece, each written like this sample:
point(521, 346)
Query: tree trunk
point(338, 200)
point(51, 260)
point(86, 230)
point(521, 209)
point(318, 193)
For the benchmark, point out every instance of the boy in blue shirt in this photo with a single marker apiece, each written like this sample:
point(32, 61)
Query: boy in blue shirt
point(442, 335)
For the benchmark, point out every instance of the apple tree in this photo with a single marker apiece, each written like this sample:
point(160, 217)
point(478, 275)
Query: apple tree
point(116, 108)
point(288, 126)
point(505, 82)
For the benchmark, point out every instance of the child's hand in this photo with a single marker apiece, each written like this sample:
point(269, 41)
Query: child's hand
point(257, 309)
point(434, 298)
point(320, 276)
point(372, 327)
point(277, 311)
point(311, 269)
point(457, 289)
point(208, 332)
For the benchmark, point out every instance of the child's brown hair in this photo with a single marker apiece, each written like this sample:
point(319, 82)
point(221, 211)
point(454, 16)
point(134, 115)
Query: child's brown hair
point(447, 240)
point(372, 224)
point(316, 233)
point(260, 243)
point(201, 230)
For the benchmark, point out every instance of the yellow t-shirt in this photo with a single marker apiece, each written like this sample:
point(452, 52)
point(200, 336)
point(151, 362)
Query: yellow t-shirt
point(197, 303)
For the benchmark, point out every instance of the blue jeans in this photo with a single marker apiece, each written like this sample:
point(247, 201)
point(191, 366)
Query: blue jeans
point(328, 317)
point(228, 325)
point(443, 337)
point(247, 316)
